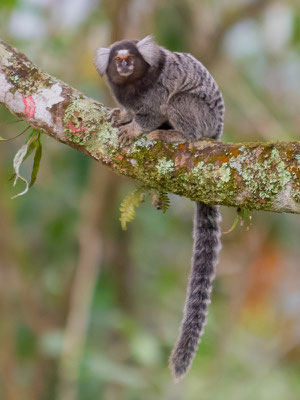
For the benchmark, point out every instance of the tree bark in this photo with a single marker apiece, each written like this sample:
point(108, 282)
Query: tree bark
point(260, 176)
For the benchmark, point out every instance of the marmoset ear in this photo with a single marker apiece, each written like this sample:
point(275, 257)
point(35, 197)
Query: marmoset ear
point(101, 60)
point(149, 50)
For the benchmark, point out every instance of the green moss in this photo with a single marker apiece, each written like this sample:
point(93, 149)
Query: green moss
point(26, 78)
point(210, 180)
point(224, 173)
point(165, 166)
point(275, 154)
point(140, 144)
point(253, 178)
point(298, 158)
point(264, 176)
point(237, 162)
point(85, 124)
point(15, 78)
point(196, 171)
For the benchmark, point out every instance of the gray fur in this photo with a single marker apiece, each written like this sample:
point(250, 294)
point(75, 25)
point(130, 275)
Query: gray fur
point(205, 254)
point(181, 91)
point(177, 89)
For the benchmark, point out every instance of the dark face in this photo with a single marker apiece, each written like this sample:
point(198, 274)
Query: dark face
point(126, 63)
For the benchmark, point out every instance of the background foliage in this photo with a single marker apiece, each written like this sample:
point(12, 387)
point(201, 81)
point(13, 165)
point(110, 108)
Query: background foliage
point(91, 312)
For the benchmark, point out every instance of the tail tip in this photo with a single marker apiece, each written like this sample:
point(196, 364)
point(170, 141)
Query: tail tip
point(177, 368)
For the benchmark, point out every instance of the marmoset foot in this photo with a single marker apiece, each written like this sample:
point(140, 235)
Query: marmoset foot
point(168, 136)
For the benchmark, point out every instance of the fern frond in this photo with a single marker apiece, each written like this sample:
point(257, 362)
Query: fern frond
point(128, 205)
point(161, 201)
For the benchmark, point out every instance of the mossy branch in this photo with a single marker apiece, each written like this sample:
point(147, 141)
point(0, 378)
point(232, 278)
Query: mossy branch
point(261, 176)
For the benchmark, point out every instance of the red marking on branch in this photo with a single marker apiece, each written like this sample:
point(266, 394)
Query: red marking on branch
point(73, 128)
point(29, 104)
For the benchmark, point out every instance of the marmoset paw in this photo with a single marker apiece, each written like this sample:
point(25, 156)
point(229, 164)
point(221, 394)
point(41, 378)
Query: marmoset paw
point(113, 115)
point(119, 117)
point(129, 132)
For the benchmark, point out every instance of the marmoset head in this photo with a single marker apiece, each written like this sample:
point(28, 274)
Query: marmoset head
point(127, 60)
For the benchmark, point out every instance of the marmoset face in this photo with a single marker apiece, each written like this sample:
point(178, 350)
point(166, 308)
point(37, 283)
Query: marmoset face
point(124, 61)
point(126, 64)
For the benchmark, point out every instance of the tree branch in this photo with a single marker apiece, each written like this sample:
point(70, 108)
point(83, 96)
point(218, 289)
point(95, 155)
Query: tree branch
point(261, 176)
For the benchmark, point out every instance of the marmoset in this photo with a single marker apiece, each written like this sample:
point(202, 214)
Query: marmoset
point(158, 89)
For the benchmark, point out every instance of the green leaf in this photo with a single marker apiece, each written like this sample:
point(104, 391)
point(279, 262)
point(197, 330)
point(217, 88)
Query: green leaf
point(30, 149)
point(243, 215)
point(32, 143)
point(36, 162)
point(34, 135)
point(235, 222)
point(18, 159)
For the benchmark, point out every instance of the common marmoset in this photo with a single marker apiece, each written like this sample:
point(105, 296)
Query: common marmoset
point(158, 88)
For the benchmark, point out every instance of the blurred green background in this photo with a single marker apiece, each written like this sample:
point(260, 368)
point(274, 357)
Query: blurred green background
point(88, 311)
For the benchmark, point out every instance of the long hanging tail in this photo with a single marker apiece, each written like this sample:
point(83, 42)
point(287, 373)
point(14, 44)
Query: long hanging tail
point(205, 253)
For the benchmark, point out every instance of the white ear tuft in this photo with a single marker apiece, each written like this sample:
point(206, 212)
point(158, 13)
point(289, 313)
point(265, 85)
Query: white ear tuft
point(101, 60)
point(149, 50)
point(147, 40)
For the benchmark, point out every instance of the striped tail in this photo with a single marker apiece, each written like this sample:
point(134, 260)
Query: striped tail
point(205, 254)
